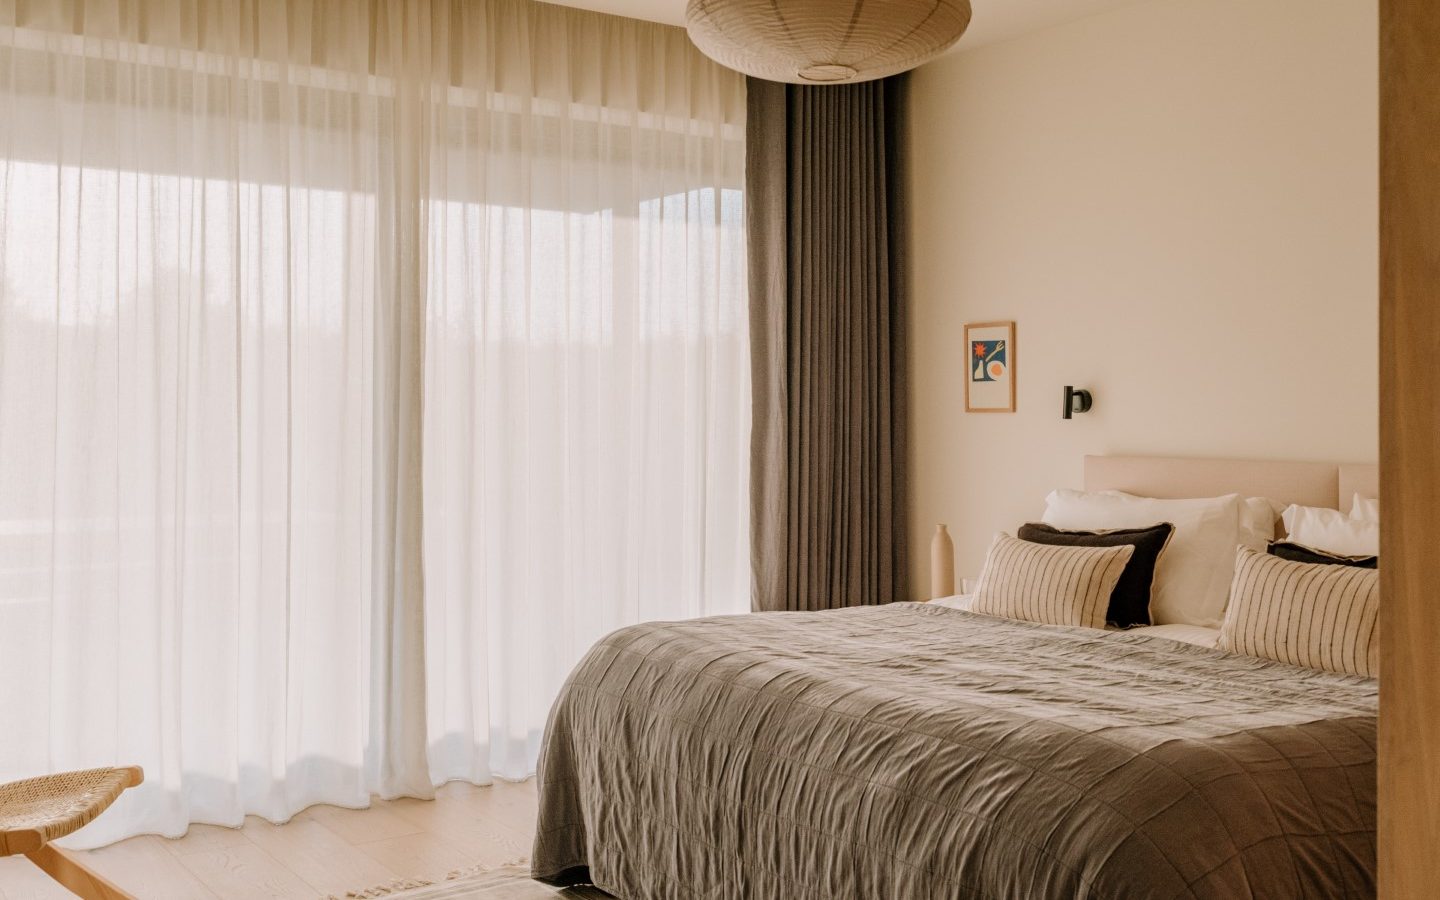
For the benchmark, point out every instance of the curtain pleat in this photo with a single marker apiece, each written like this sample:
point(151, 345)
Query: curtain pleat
point(587, 386)
point(410, 36)
point(823, 185)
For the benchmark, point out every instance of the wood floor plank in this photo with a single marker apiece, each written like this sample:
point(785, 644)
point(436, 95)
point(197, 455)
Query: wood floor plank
point(420, 855)
point(204, 839)
point(359, 826)
point(147, 867)
point(513, 804)
point(323, 850)
point(20, 880)
point(246, 871)
point(318, 855)
point(486, 840)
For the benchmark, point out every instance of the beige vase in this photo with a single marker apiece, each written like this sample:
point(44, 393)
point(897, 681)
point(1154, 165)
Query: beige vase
point(942, 564)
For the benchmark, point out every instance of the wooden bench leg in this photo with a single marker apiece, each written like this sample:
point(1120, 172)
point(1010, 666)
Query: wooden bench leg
point(67, 869)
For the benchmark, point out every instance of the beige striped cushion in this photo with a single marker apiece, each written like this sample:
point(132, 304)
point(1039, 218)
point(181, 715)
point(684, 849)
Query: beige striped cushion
point(1305, 614)
point(1049, 584)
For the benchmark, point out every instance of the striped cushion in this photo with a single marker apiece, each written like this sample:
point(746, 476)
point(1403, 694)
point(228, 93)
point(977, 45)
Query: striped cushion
point(1305, 614)
point(1049, 584)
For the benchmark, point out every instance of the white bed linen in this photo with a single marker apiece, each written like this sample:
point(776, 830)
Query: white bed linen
point(1332, 531)
point(1187, 634)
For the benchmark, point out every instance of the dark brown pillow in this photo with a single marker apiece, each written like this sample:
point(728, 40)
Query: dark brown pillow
point(1130, 601)
point(1303, 554)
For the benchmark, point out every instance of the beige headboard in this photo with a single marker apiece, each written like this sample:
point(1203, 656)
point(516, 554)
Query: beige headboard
point(1358, 478)
point(1305, 483)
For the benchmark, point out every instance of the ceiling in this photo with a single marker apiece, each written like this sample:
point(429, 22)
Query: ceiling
point(995, 20)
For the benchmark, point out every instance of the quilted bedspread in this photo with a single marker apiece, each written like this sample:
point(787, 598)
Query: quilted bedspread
point(912, 751)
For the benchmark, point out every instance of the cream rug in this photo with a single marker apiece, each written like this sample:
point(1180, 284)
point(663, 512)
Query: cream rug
point(501, 883)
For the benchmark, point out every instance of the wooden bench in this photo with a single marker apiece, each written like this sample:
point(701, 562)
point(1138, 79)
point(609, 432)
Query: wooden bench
point(36, 811)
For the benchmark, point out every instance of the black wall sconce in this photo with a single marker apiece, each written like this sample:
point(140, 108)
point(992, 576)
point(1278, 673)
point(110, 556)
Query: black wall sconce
point(1076, 401)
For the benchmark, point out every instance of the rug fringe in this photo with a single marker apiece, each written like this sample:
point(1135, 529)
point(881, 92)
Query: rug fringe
point(382, 890)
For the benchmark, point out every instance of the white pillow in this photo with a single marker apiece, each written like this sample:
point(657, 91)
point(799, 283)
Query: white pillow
point(1258, 523)
point(1332, 531)
point(958, 601)
point(1366, 509)
point(1192, 578)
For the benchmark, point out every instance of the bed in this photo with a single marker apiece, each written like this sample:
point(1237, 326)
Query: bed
point(920, 751)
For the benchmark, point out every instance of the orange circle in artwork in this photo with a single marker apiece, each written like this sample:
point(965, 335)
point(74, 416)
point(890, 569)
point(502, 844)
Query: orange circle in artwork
point(997, 369)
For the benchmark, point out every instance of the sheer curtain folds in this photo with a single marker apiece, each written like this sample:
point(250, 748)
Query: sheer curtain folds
point(360, 364)
point(587, 362)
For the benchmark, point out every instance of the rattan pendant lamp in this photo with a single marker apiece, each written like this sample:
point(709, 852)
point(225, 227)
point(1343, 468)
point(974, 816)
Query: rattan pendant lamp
point(824, 41)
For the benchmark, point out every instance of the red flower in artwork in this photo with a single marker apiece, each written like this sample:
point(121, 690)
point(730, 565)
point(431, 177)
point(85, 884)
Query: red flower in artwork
point(979, 349)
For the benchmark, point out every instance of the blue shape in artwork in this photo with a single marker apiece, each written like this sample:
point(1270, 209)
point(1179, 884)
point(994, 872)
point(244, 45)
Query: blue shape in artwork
point(988, 360)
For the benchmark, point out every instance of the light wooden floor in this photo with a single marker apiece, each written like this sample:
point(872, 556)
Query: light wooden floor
point(323, 850)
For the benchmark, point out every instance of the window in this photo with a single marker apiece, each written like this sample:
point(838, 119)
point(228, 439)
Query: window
point(205, 264)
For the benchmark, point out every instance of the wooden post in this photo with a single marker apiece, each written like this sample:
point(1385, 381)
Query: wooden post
point(1409, 767)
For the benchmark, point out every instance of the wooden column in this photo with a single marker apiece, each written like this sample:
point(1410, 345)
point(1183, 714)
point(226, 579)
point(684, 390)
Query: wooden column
point(1409, 768)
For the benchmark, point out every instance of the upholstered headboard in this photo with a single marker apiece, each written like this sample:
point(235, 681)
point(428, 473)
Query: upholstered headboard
point(1305, 483)
point(1358, 478)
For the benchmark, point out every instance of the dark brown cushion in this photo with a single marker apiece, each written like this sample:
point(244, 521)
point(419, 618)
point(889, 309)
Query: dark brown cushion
point(1303, 554)
point(1130, 600)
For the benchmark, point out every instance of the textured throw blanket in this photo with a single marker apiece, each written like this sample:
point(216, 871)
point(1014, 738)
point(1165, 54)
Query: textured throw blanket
point(912, 751)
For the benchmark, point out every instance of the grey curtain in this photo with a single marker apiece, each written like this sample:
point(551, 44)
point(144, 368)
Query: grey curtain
point(823, 194)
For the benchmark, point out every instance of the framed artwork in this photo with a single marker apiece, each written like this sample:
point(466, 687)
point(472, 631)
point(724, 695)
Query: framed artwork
point(990, 375)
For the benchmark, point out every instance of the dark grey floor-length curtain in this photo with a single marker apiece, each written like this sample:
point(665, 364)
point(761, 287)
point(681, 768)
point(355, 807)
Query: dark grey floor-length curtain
point(823, 193)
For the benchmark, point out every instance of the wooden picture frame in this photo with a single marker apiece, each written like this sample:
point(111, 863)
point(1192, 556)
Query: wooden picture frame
point(990, 367)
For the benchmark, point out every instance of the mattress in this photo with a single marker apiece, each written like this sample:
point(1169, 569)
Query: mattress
point(918, 751)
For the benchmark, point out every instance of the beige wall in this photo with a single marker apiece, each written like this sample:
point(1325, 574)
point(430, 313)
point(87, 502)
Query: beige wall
point(1176, 201)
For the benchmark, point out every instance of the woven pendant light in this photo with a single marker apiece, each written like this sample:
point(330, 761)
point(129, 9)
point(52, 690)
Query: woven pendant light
point(824, 41)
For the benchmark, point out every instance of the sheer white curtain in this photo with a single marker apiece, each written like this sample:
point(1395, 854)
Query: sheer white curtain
point(587, 363)
point(360, 363)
